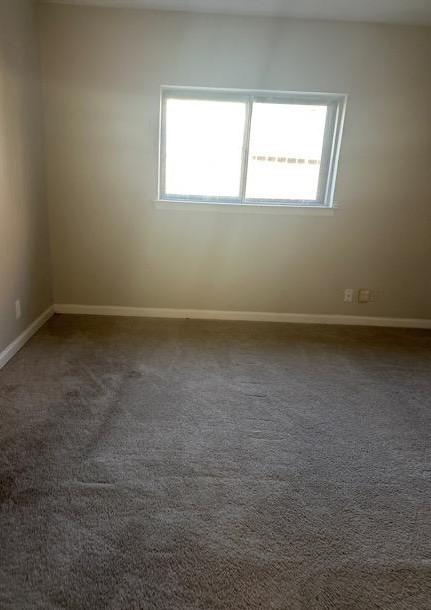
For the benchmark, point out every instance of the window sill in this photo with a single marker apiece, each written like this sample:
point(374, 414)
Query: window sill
point(244, 208)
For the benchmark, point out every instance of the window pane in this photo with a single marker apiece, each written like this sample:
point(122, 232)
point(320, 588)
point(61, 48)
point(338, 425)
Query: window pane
point(204, 142)
point(286, 144)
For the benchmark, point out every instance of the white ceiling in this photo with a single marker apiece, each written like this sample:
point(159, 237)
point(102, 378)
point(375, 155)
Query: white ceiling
point(382, 11)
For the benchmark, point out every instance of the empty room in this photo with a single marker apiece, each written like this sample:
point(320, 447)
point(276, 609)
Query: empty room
point(215, 305)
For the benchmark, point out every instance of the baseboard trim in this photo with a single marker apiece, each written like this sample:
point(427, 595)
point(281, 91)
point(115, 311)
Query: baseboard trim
point(22, 339)
point(252, 316)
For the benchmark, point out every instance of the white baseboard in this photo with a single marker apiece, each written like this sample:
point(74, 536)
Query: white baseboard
point(20, 341)
point(204, 314)
point(253, 316)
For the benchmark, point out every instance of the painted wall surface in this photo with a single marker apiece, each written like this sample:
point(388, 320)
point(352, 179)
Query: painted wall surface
point(102, 72)
point(24, 240)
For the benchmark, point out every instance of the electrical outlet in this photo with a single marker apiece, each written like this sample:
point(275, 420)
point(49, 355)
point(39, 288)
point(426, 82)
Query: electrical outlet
point(349, 294)
point(17, 309)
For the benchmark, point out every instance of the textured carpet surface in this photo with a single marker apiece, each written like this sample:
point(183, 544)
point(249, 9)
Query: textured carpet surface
point(173, 464)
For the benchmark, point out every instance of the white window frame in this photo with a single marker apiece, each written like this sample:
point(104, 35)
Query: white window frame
point(336, 104)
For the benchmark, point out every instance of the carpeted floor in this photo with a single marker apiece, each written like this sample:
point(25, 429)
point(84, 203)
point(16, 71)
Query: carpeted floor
point(185, 465)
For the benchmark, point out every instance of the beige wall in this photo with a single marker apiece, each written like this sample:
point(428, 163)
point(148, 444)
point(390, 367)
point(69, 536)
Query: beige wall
point(24, 242)
point(111, 246)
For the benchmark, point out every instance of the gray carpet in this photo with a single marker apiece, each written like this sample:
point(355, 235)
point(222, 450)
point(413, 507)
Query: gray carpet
point(174, 464)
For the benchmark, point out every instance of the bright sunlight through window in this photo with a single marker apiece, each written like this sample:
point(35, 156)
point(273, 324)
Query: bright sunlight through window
point(249, 148)
point(204, 141)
